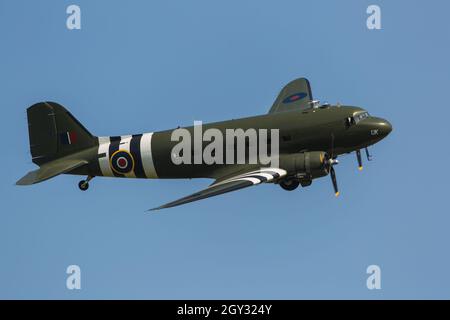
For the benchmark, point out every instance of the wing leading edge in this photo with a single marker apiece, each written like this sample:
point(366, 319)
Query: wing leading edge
point(235, 183)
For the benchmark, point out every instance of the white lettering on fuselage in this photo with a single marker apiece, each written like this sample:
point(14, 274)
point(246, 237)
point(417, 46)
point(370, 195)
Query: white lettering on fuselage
point(248, 146)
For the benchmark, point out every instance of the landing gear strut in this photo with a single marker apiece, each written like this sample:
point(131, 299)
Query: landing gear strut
point(84, 184)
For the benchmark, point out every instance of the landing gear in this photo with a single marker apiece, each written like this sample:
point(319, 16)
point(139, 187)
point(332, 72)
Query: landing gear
point(84, 184)
point(289, 184)
point(305, 183)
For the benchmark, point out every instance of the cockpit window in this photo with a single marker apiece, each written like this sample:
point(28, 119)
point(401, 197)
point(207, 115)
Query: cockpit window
point(356, 118)
point(360, 116)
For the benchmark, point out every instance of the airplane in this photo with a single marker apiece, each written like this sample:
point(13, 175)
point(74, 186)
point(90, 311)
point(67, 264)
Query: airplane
point(311, 136)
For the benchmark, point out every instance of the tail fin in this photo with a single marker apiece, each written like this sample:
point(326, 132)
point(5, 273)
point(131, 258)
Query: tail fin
point(58, 142)
point(296, 95)
point(55, 133)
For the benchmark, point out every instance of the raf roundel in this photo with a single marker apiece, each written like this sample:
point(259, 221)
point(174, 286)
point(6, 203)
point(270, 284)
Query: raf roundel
point(122, 162)
point(295, 97)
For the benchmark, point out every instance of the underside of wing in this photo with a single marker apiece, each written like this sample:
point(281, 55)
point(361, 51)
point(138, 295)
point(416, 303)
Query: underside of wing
point(296, 95)
point(230, 184)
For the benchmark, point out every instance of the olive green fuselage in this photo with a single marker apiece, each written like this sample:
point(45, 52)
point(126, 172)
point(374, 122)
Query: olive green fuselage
point(324, 129)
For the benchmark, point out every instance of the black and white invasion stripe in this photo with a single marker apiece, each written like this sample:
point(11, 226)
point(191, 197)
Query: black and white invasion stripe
point(256, 177)
point(139, 146)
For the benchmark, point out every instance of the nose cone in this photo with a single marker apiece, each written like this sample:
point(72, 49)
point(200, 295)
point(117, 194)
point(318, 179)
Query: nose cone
point(373, 129)
point(384, 127)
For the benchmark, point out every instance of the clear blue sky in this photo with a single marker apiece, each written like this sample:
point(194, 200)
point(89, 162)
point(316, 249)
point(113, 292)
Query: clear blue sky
point(142, 66)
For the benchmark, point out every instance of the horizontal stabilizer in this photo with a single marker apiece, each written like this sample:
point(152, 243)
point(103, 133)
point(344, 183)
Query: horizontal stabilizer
point(50, 170)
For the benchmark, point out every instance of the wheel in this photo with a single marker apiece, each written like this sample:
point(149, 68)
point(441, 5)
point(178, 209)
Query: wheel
point(305, 183)
point(289, 184)
point(83, 185)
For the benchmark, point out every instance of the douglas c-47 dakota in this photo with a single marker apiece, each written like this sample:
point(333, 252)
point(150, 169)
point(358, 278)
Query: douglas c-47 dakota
point(305, 140)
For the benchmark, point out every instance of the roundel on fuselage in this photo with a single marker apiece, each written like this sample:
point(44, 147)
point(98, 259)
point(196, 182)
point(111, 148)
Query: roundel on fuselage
point(122, 162)
point(295, 97)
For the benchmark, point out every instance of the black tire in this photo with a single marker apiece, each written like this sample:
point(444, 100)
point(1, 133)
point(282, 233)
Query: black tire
point(305, 183)
point(83, 185)
point(289, 184)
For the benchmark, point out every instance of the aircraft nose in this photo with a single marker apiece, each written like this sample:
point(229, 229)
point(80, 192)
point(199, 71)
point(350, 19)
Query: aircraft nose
point(380, 127)
point(385, 127)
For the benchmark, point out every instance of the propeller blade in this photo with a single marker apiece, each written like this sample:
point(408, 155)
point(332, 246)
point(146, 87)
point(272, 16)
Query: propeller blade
point(334, 181)
point(368, 155)
point(358, 156)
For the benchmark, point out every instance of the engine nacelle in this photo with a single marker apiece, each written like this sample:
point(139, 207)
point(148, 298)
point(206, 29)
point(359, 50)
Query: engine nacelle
point(305, 165)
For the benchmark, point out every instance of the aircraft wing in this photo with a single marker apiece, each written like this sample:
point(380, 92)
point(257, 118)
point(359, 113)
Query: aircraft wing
point(237, 182)
point(296, 95)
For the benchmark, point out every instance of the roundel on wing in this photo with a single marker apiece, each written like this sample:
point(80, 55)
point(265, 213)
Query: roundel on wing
point(121, 162)
point(295, 97)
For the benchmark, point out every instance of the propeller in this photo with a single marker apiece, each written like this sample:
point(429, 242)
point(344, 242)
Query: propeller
point(368, 155)
point(331, 161)
point(358, 157)
point(334, 181)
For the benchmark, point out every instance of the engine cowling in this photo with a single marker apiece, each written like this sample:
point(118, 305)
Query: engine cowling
point(305, 165)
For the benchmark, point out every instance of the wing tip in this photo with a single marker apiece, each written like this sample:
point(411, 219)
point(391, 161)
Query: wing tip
point(157, 208)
